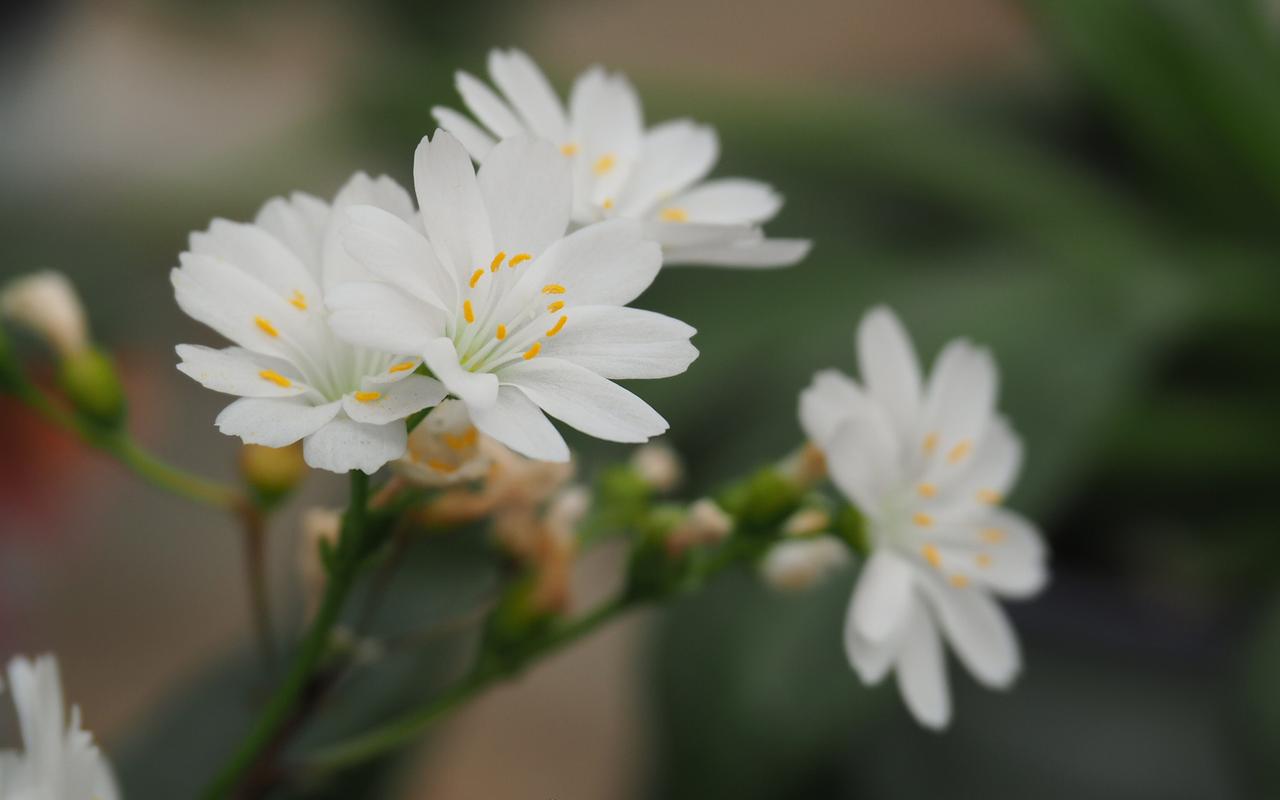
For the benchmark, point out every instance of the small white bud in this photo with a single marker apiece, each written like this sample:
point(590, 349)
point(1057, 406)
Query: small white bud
point(658, 465)
point(318, 525)
point(799, 564)
point(46, 304)
point(568, 509)
point(444, 449)
point(705, 524)
point(806, 521)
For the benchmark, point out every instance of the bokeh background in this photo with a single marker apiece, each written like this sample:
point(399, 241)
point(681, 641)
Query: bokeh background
point(1090, 187)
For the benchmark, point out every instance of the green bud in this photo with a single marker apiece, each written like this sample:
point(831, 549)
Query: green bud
point(91, 383)
point(272, 472)
point(762, 502)
point(851, 526)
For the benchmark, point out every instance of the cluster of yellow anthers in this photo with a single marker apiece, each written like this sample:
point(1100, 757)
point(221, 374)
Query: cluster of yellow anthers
point(459, 443)
point(606, 164)
point(990, 536)
point(484, 350)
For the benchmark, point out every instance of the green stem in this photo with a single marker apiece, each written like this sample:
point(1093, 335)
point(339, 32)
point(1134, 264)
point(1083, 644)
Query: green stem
point(397, 733)
point(345, 566)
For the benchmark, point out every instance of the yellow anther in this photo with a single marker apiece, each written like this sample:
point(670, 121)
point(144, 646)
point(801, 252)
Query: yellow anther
point(930, 444)
point(989, 496)
point(475, 277)
point(266, 327)
point(604, 164)
point(518, 259)
point(560, 324)
point(532, 351)
point(922, 519)
point(468, 312)
point(502, 332)
point(993, 536)
point(455, 442)
point(276, 378)
point(553, 288)
point(554, 307)
point(441, 466)
point(932, 555)
point(958, 452)
point(959, 581)
point(403, 366)
point(299, 301)
point(497, 261)
point(367, 397)
point(984, 560)
point(674, 215)
point(927, 490)
point(607, 204)
point(570, 149)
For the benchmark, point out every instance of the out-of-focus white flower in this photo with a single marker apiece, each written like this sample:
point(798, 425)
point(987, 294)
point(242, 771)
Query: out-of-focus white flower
point(927, 464)
point(704, 524)
point(444, 449)
point(60, 760)
point(658, 465)
point(514, 317)
point(806, 521)
point(797, 564)
point(46, 304)
point(264, 286)
point(621, 170)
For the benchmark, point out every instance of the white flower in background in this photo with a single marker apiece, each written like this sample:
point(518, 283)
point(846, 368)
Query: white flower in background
point(59, 760)
point(514, 317)
point(793, 565)
point(46, 304)
point(444, 449)
point(263, 286)
point(620, 169)
point(927, 464)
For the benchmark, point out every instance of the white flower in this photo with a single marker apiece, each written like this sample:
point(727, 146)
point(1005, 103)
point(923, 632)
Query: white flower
point(622, 170)
point(444, 449)
point(796, 564)
point(46, 304)
point(263, 286)
point(514, 317)
point(927, 464)
point(60, 760)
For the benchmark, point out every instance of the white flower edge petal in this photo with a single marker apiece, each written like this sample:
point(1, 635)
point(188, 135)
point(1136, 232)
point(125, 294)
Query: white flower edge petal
point(829, 400)
point(584, 400)
point(729, 201)
point(492, 111)
point(619, 343)
point(273, 422)
point(888, 366)
point(476, 389)
point(608, 263)
point(922, 672)
point(516, 422)
point(471, 136)
point(232, 371)
point(394, 402)
point(452, 208)
point(344, 445)
point(393, 251)
point(883, 598)
point(758, 254)
point(528, 192)
point(863, 459)
point(529, 92)
point(978, 629)
point(379, 317)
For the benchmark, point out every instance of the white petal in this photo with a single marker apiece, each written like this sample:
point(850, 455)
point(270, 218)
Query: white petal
point(686, 237)
point(260, 255)
point(299, 223)
point(453, 210)
point(398, 370)
point(922, 673)
point(605, 115)
point(617, 343)
point(528, 192)
point(519, 78)
point(492, 111)
point(477, 389)
point(273, 422)
point(380, 317)
point(757, 254)
point(883, 596)
point(344, 445)
point(469, 135)
point(360, 190)
point(961, 395)
point(978, 630)
point(234, 371)
point(396, 400)
point(871, 660)
point(584, 400)
point(989, 473)
point(887, 362)
point(862, 458)
point(729, 201)
point(516, 422)
point(830, 400)
point(673, 156)
point(607, 263)
point(399, 254)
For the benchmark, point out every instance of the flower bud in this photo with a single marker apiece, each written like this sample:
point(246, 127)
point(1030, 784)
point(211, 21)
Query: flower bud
point(705, 524)
point(805, 467)
point(90, 381)
point(798, 564)
point(444, 449)
point(658, 465)
point(272, 472)
point(806, 521)
point(320, 528)
point(46, 304)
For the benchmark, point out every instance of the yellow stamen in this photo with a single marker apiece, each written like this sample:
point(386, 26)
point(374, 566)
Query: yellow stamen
point(958, 452)
point(984, 560)
point(989, 496)
point(604, 164)
point(922, 519)
point(462, 441)
point(959, 581)
point(993, 536)
point(441, 466)
point(927, 490)
point(532, 351)
point(558, 326)
point(497, 261)
point(475, 277)
point(276, 378)
point(930, 444)
point(607, 204)
point(468, 312)
point(518, 259)
point(266, 327)
point(502, 332)
point(403, 366)
point(299, 301)
point(469, 438)
point(675, 215)
point(570, 149)
point(553, 288)
point(554, 307)
point(367, 397)
point(932, 555)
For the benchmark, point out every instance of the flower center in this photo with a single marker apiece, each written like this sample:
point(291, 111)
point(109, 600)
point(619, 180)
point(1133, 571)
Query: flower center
point(491, 333)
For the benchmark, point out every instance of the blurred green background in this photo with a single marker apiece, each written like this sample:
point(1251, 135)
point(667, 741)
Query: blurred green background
point(1091, 187)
